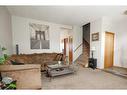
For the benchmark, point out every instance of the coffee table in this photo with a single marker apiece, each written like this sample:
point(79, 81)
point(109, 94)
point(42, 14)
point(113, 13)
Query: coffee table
point(58, 69)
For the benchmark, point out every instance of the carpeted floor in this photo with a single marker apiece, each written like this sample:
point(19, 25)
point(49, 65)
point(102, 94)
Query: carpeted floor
point(85, 78)
point(120, 71)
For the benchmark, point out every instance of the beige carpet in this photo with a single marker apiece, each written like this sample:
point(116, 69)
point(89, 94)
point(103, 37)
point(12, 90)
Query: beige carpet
point(117, 70)
point(85, 78)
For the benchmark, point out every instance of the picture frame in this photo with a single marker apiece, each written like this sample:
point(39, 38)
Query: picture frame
point(39, 36)
point(95, 36)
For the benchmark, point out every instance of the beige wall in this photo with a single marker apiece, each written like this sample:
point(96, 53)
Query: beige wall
point(120, 29)
point(5, 30)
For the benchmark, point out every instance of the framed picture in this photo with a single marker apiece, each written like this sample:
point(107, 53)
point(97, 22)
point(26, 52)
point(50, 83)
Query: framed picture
point(39, 36)
point(95, 36)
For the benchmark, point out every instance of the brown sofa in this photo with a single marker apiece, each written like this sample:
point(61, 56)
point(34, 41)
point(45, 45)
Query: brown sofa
point(28, 75)
point(41, 58)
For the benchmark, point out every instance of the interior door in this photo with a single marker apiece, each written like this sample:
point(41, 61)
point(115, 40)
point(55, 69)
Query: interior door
point(65, 46)
point(70, 49)
point(109, 50)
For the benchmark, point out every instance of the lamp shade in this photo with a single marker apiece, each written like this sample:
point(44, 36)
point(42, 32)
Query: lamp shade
point(93, 48)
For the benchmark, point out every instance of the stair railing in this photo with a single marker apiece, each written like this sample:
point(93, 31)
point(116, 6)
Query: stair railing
point(78, 47)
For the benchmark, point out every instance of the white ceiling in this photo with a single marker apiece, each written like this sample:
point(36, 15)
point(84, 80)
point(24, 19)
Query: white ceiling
point(70, 15)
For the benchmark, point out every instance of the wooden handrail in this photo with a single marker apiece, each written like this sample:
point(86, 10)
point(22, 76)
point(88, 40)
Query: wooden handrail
point(78, 47)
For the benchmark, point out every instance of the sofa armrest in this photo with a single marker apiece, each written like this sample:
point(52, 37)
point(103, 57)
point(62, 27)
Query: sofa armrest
point(27, 76)
point(4, 68)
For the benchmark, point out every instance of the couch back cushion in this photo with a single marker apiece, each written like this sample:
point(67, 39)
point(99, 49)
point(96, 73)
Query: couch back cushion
point(36, 58)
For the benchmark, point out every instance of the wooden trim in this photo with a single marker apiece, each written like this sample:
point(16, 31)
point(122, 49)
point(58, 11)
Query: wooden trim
point(110, 33)
point(70, 49)
point(65, 45)
point(113, 46)
point(78, 47)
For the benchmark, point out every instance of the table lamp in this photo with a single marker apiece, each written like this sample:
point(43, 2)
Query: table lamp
point(92, 50)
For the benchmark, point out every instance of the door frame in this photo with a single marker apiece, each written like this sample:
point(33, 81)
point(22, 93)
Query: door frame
point(65, 46)
point(70, 49)
point(105, 49)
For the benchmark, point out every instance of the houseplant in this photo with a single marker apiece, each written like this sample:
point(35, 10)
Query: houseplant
point(5, 82)
point(3, 55)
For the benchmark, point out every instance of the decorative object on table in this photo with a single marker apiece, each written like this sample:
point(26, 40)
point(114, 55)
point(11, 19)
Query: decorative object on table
point(93, 49)
point(95, 36)
point(92, 63)
point(39, 36)
point(7, 80)
point(7, 83)
point(3, 55)
point(59, 62)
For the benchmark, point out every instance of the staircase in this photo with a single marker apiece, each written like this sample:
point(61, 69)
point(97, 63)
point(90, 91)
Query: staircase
point(83, 59)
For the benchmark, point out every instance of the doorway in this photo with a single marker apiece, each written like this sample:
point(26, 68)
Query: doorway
point(109, 50)
point(66, 44)
point(68, 49)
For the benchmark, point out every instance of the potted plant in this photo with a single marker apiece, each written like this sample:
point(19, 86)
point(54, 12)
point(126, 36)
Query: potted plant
point(3, 55)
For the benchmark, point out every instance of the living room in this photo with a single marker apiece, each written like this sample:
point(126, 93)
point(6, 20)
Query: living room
point(34, 43)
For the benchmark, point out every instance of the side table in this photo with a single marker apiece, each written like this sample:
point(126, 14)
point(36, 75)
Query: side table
point(92, 63)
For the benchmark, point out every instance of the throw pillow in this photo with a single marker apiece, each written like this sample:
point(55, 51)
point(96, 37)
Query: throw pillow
point(57, 57)
point(16, 63)
point(20, 60)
